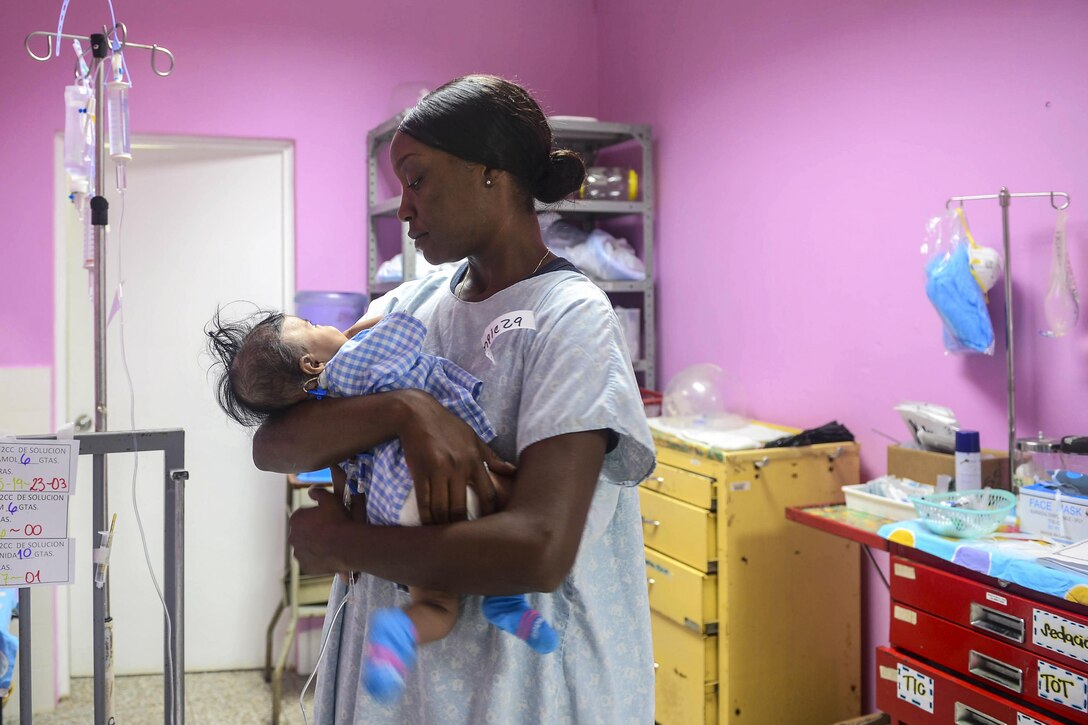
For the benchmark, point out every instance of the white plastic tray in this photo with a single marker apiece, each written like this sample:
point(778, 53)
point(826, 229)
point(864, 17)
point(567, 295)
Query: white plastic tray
point(860, 498)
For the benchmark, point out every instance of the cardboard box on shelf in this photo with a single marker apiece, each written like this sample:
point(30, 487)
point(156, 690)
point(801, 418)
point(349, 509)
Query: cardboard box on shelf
point(924, 466)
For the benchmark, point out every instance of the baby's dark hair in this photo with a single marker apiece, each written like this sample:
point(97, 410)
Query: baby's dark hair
point(257, 370)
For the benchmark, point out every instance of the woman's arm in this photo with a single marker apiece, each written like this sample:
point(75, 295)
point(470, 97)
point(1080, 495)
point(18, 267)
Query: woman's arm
point(319, 433)
point(438, 446)
point(529, 546)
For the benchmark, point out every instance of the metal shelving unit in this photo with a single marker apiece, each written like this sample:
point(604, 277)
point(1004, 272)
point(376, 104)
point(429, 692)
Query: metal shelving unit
point(588, 138)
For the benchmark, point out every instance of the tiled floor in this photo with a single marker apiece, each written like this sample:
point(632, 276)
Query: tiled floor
point(219, 698)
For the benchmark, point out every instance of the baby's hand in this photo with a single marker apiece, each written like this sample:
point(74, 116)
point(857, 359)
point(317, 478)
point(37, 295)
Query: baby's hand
point(364, 323)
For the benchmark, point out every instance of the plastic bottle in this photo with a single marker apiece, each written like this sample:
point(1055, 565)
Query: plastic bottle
point(613, 183)
point(76, 120)
point(968, 461)
point(117, 115)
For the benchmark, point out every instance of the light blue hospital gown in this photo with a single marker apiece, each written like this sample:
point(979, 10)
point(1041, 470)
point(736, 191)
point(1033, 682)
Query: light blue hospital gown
point(550, 354)
point(389, 356)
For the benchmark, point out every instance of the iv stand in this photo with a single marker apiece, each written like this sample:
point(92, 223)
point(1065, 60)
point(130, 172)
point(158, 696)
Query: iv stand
point(1005, 199)
point(100, 43)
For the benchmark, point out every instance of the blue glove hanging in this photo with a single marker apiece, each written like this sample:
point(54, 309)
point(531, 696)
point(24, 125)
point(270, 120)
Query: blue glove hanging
point(960, 302)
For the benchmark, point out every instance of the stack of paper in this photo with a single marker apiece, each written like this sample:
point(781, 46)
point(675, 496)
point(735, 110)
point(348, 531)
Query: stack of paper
point(1072, 558)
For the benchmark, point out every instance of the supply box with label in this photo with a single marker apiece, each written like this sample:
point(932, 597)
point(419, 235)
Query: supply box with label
point(1043, 511)
point(923, 466)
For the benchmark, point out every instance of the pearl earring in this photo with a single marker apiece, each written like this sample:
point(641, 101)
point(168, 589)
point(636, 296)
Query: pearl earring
point(487, 182)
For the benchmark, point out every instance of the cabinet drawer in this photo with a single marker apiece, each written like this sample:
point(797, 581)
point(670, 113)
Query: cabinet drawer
point(1048, 631)
point(684, 485)
point(990, 662)
point(683, 594)
point(914, 692)
point(679, 530)
point(685, 672)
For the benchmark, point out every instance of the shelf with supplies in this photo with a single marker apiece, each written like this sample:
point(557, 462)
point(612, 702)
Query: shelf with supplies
point(965, 644)
point(575, 207)
point(598, 142)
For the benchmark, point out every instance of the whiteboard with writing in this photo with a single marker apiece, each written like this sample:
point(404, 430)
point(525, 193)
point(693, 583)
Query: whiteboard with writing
point(37, 563)
point(38, 466)
point(36, 480)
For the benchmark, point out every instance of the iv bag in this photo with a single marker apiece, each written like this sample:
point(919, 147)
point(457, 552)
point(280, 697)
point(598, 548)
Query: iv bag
point(1061, 305)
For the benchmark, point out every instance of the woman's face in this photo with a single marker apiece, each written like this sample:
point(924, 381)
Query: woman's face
point(443, 200)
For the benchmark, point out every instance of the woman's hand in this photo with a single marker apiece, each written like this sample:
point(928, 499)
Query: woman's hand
point(445, 457)
point(313, 532)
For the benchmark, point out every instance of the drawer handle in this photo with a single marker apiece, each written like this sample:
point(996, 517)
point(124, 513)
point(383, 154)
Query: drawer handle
point(650, 582)
point(650, 522)
point(659, 479)
point(995, 671)
point(761, 462)
point(656, 666)
point(999, 623)
point(970, 716)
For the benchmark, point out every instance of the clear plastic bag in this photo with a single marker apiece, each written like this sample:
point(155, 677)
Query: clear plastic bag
point(1061, 304)
point(953, 289)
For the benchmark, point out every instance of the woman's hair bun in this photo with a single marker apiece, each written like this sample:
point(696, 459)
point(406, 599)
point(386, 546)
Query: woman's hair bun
point(562, 176)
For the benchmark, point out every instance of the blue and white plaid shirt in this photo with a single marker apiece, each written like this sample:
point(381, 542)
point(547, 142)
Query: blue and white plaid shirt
point(389, 356)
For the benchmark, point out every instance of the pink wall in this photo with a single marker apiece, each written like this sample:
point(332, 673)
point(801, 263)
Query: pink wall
point(318, 73)
point(801, 148)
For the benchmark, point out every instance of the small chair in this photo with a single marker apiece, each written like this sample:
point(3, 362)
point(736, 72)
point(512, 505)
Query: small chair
point(305, 595)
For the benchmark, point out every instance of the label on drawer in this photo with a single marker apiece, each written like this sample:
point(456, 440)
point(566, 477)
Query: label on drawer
point(1059, 634)
point(904, 615)
point(1063, 687)
point(740, 485)
point(997, 599)
point(904, 571)
point(1022, 719)
point(888, 673)
point(915, 688)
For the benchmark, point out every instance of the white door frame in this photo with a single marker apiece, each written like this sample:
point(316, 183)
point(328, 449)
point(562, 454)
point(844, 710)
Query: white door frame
point(61, 208)
point(286, 149)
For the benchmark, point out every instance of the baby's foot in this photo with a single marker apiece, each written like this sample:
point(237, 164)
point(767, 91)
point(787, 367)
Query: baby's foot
point(390, 654)
point(514, 615)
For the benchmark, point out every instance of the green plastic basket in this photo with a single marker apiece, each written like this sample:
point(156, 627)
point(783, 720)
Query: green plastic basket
point(964, 514)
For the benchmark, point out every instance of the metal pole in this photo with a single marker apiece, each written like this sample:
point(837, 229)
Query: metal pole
point(172, 443)
point(103, 685)
point(26, 694)
point(174, 586)
point(1004, 199)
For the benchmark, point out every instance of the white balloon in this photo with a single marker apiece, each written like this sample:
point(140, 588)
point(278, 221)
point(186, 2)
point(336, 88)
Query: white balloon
point(695, 391)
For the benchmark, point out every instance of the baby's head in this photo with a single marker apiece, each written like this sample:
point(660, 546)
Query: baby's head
point(267, 361)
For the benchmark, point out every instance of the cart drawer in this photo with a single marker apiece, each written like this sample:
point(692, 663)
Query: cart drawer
point(914, 692)
point(678, 529)
point(1048, 631)
point(988, 661)
point(686, 673)
point(687, 486)
point(683, 594)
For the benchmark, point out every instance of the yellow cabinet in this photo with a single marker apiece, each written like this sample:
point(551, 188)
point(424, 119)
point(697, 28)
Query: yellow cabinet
point(680, 530)
point(728, 575)
point(685, 672)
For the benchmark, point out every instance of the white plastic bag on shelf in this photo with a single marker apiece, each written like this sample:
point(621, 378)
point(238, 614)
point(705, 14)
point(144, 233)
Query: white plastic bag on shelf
point(561, 235)
point(392, 269)
point(605, 257)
